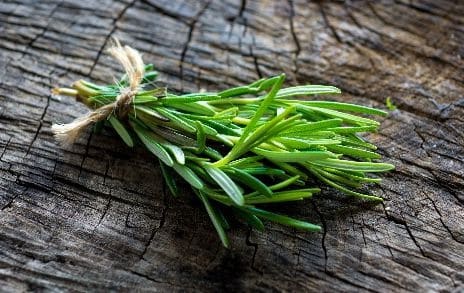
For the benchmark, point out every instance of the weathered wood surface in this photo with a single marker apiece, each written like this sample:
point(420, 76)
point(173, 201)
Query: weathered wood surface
point(96, 217)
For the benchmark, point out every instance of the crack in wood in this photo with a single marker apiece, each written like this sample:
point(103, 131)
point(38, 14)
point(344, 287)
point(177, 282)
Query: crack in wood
point(84, 157)
point(327, 22)
point(295, 38)
point(160, 9)
point(191, 26)
point(39, 128)
point(402, 222)
point(162, 220)
point(248, 242)
point(255, 59)
point(5, 147)
point(324, 233)
point(441, 218)
point(105, 210)
point(108, 36)
point(44, 30)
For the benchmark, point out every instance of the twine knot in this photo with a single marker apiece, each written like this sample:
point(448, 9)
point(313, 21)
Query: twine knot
point(132, 62)
point(123, 102)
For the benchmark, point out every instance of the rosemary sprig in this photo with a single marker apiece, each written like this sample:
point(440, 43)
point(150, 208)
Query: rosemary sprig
point(246, 146)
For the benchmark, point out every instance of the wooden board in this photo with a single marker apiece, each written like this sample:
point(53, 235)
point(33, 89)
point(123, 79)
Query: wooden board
point(96, 217)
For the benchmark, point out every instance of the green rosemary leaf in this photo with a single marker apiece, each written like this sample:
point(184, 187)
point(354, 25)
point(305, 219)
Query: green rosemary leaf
point(149, 67)
point(201, 108)
point(223, 220)
point(248, 161)
point(201, 137)
point(359, 129)
point(337, 178)
point(100, 100)
point(354, 166)
point(228, 113)
point(268, 83)
point(173, 136)
point(215, 219)
point(263, 106)
point(351, 141)
point(284, 220)
point(306, 90)
point(173, 99)
point(349, 175)
point(282, 196)
point(176, 120)
point(238, 91)
point(218, 196)
point(221, 128)
point(92, 85)
point(255, 87)
point(121, 130)
point(169, 179)
point(320, 134)
point(290, 169)
point(98, 126)
point(353, 152)
point(269, 129)
point(250, 181)
point(346, 190)
point(349, 118)
point(144, 99)
point(202, 174)
point(345, 107)
point(289, 182)
point(150, 76)
point(261, 134)
point(154, 93)
point(152, 145)
point(189, 176)
point(301, 143)
point(212, 153)
point(239, 146)
point(206, 129)
point(292, 157)
point(264, 171)
point(251, 219)
point(227, 184)
point(152, 112)
point(389, 104)
point(176, 152)
point(308, 128)
point(174, 149)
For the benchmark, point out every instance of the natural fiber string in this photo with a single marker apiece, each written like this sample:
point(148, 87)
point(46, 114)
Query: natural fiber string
point(132, 62)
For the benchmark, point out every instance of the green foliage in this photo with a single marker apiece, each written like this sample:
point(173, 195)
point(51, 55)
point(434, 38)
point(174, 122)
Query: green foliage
point(389, 104)
point(249, 145)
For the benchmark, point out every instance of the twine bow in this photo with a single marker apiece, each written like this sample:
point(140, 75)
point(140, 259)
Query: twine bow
point(132, 62)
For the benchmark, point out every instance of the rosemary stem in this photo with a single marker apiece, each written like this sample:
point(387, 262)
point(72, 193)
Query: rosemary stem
point(65, 91)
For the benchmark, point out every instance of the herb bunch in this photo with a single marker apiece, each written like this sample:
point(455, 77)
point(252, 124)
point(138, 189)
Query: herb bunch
point(246, 146)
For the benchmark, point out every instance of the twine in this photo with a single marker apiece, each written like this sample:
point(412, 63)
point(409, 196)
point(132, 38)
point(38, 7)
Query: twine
point(132, 62)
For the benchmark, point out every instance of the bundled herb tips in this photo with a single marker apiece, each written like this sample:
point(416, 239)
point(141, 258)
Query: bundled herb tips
point(239, 148)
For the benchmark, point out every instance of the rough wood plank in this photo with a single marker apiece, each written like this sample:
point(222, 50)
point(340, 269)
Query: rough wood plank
point(88, 218)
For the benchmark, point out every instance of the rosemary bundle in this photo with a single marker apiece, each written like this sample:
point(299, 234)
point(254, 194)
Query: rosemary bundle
point(238, 148)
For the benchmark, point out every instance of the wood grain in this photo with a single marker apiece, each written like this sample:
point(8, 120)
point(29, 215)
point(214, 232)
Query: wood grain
point(96, 216)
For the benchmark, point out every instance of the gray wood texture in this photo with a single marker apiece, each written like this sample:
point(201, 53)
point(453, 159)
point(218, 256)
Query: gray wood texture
point(96, 217)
